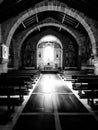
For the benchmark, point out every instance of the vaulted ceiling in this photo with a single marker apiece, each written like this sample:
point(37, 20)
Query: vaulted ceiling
point(11, 8)
point(57, 17)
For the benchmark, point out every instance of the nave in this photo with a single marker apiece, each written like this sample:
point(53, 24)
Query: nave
point(52, 105)
point(55, 36)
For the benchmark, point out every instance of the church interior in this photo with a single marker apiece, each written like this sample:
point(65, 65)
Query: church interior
point(48, 64)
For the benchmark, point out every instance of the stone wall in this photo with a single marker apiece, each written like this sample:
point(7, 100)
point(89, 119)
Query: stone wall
point(9, 27)
point(34, 40)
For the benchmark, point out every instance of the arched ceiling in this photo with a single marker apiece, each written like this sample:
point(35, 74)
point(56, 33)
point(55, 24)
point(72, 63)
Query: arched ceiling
point(50, 39)
point(51, 16)
point(14, 8)
point(11, 8)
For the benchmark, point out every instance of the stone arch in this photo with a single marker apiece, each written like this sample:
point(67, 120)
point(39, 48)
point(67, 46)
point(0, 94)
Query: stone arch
point(53, 6)
point(26, 34)
point(48, 24)
point(59, 42)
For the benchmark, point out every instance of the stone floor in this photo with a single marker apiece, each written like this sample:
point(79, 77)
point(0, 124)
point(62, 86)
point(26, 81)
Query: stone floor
point(53, 105)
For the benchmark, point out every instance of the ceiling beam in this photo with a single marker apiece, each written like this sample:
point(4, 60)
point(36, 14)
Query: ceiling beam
point(63, 19)
point(77, 25)
point(37, 21)
point(23, 24)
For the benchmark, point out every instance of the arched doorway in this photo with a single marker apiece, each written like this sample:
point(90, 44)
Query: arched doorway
point(49, 53)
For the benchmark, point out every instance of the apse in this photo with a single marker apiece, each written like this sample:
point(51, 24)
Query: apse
point(49, 53)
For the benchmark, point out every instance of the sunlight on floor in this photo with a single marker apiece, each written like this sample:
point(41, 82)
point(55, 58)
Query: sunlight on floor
point(50, 83)
point(49, 87)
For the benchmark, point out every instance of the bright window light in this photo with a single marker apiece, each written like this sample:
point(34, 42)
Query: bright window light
point(48, 54)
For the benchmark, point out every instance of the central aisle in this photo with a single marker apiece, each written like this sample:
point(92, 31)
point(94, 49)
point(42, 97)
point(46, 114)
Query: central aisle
point(53, 106)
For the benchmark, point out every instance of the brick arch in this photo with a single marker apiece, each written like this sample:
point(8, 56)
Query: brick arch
point(53, 6)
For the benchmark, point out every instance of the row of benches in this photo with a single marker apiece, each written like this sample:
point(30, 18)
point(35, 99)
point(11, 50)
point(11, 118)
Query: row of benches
point(87, 86)
point(12, 85)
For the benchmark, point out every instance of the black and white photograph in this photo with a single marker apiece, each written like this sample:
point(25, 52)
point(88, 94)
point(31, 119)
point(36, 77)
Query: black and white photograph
point(48, 64)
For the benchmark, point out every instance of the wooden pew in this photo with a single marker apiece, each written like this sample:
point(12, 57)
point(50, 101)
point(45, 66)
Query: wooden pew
point(12, 84)
point(8, 87)
point(87, 89)
point(75, 77)
point(6, 100)
point(87, 86)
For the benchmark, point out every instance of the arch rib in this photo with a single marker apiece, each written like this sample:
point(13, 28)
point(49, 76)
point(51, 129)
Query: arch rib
point(58, 8)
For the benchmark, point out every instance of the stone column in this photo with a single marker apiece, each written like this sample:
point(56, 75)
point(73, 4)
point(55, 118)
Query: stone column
point(0, 34)
point(96, 65)
point(79, 59)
